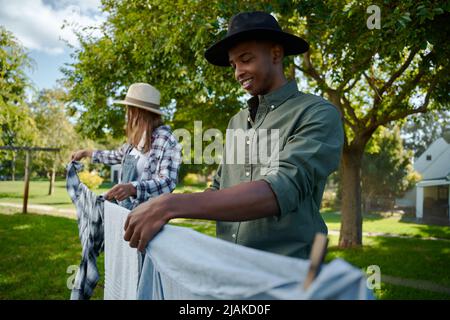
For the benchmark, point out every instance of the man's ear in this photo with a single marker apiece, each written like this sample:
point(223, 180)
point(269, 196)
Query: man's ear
point(277, 53)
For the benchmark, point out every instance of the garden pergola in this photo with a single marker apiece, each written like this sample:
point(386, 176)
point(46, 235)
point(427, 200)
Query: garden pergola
point(27, 150)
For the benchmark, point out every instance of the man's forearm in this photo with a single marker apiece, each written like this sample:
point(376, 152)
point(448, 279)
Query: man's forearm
point(246, 201)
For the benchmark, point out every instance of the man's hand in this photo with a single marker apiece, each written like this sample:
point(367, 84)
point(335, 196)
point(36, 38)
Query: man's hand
point(121, 192)
point(145, 221)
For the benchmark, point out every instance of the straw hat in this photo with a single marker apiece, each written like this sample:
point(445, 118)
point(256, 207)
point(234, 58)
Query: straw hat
point(144, 96)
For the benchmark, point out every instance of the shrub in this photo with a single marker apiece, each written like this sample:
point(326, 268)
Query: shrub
point(91, 179)
point(190, 179)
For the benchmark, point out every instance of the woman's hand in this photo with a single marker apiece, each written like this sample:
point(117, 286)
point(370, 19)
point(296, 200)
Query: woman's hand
point(121, 192)
point(80, 154)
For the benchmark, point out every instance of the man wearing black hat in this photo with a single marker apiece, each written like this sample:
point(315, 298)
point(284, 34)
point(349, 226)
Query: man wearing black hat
point(275, 209)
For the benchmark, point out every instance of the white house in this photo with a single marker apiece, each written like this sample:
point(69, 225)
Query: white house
point(431, 196)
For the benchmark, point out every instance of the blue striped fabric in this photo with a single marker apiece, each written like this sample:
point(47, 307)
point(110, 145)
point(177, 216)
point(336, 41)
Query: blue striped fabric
point(89, 208)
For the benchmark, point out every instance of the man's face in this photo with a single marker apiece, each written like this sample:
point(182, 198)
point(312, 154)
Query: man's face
point(253, 66)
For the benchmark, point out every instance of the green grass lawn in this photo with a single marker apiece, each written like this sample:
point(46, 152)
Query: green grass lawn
point(36, 251)
point(413, 259)
point(12, 192)
point(395, 224)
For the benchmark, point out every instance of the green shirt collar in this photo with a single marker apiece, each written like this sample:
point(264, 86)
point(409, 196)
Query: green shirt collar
point(277, 97)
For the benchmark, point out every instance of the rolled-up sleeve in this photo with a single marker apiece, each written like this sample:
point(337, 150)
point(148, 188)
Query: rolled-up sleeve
point(109, 156)
point(165, 179)
point(312, 152)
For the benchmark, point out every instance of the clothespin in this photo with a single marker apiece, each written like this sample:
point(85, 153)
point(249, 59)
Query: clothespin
point(316, 258)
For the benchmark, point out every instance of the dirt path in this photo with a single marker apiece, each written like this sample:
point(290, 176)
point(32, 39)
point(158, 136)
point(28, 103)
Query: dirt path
point(415, 284)
point(42, 209)
point(390, 235)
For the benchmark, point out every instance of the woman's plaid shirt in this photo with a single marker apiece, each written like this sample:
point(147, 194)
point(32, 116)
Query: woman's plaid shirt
point(161, 169)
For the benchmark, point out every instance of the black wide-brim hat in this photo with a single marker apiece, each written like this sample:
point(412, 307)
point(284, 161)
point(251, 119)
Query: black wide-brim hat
point(253, 26)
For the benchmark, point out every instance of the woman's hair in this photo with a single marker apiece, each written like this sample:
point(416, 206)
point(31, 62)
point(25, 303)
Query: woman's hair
point(140, 121)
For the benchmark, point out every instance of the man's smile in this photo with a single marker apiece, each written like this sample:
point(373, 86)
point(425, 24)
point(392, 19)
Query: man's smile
point(246, 83)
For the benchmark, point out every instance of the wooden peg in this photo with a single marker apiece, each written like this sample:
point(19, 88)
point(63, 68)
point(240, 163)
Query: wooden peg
point(318, 252)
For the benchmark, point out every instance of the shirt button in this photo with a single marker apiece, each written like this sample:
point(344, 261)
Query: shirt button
point(248, 141)
point(234, 235)
point(247, 173)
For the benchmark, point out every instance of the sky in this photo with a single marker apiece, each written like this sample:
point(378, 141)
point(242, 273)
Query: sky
point(37, 24)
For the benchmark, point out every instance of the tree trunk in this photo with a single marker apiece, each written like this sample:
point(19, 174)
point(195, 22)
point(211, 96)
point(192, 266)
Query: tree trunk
point(13, 167)
point(52, 175)
point(351, 217)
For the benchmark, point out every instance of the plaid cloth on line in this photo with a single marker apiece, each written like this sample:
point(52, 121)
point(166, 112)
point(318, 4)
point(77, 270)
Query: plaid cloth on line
point(160, 173)
point(90, 216)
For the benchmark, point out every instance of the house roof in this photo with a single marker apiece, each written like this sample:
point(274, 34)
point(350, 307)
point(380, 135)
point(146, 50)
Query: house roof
point(431, 183)
point(438, 165)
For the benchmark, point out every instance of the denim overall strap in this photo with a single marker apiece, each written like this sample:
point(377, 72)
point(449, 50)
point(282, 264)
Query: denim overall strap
point(129, 173)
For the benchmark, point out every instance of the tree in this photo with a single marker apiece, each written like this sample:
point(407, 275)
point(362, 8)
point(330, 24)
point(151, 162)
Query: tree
point(159, 42)
point(420, 132)
point(55, 131)
point(17, 127)
point(374, 76)
point(387, 172)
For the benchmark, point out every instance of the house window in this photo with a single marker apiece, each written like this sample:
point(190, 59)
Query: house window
point(428, 157)
point(443, 192)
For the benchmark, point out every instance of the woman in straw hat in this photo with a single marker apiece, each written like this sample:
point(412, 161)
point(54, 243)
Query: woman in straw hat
point(150, 159)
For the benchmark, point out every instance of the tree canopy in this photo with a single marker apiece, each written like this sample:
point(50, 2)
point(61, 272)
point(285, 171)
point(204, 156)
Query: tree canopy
point(16, 124)
point(55, 130)
point(421, 131)
point(387, 172)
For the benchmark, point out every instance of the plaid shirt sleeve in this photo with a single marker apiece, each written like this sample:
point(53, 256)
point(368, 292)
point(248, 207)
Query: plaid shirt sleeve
point(165, 179)
point(109, 156)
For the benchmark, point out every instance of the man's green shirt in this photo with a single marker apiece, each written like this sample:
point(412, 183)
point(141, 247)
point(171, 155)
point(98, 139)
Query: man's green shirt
point(299, 157)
